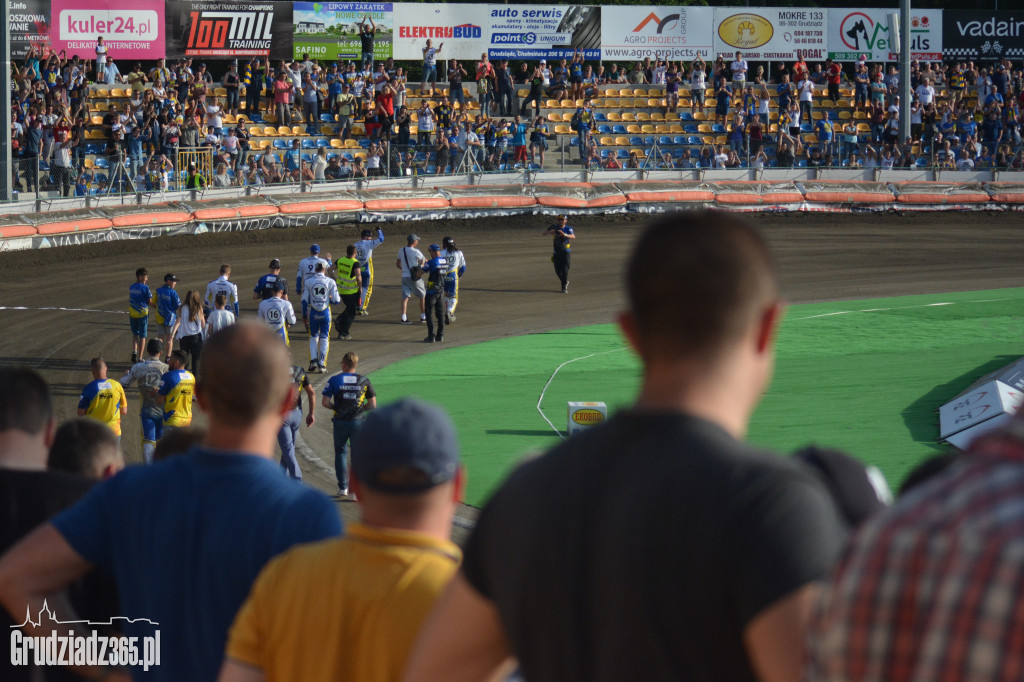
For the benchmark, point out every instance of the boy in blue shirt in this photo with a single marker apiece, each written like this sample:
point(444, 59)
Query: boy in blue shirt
point(140, 297)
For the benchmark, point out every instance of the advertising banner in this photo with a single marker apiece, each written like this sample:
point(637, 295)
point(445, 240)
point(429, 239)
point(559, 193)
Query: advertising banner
point(30, 26)
point(501, 31)
point(774, 33)
point(852, 33)
point(131, 29)
point(673, 33)
point(229, 29)
point(328, 30)
point(462, 29)
point(542, 32)
point(983, 34)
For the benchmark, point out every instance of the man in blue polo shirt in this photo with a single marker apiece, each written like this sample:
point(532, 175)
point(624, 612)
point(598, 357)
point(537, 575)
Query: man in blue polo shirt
point(186, 537)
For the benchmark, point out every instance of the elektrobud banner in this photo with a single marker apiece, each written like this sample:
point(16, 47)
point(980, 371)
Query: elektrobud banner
point(229, 29)
point(131, 29)
point(501, 31)
point(328, 30)
point(852, 33)
point(983, 34)
point(775, 33)
point(30, 26)
point(635, 32)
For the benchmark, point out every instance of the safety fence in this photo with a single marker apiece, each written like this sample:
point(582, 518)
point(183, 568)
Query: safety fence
point(393, 204)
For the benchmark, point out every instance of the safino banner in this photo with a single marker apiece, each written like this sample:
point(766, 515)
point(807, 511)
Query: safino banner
point(852, 33)
point(131, 29)
point(673, 33)
point(227, 30)
point(770, 33)
point(328, 30)
point(983, 34)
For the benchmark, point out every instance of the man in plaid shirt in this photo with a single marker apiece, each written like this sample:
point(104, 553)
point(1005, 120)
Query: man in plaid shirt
point(933, 589)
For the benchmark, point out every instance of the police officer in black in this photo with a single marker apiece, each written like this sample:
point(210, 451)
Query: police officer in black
point(563, 237)
point(434, 270)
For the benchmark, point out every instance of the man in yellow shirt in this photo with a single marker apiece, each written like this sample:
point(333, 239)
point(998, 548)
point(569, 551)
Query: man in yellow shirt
point(350, 608)
point(102, 399)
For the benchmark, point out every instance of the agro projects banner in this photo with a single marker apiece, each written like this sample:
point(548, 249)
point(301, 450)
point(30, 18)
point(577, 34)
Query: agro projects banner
point(856, 32)
point(673, 33)
point(771, 33)
point(229, 29)
point(329, 30)
point(131, 29)
point(983, 34)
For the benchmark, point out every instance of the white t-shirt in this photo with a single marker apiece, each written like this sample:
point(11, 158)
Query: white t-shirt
point(409, 256)
point(187, 326)
point(659, 74)
point(739, 69)
point(806, 90)
point(925, 94)
point(965, 164)
point(218, 320)
point(101, 56)
point(213, 114)
point(430, 56)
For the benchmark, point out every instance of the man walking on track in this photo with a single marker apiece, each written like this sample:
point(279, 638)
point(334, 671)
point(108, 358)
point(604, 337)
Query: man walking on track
point(410, 260)
point(406, 474)
point(177, 388)
point(307, 266)
point(347, 275)
point(167, 304)
point(185, 538)
point(563, 238)
point(290, 429)
point(140, 297)
point(221, 285)
point(456, 269)
point(267, 284)
point(102, 399)
point(277, 312)
point(349, 395)
point(318, 294)
point(435, 270)
point(364, 254)
point(544, 570)
point(149, 373)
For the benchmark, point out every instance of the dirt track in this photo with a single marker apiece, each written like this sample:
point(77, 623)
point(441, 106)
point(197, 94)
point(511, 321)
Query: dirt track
point(509, 288)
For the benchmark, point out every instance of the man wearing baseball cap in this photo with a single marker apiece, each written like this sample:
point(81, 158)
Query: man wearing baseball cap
point(409, 259)
point(434, 270)
point(167, 304)
point(369, 592)
point(268, 283)
point(307, 266)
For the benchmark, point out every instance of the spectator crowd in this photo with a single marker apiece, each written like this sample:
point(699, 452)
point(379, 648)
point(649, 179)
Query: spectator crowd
point(87, 127)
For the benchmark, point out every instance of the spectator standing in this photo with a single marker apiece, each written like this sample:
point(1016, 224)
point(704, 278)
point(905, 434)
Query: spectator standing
point(349, 395)
point(739, 71)
point(220, 316)
point(563, 236)
point(221, 285)
point(834, 77)
point(190, 326)
point(140, 297)
point(367, 32)
point(393, 563)
point(703, 308)
point(410, 260)
point(196, 552)
point(430, 66)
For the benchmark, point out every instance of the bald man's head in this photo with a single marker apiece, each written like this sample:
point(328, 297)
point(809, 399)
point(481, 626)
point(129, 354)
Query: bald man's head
point(244, 374)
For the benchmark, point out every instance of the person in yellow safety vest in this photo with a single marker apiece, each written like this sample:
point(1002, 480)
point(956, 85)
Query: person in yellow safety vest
point(348, 276)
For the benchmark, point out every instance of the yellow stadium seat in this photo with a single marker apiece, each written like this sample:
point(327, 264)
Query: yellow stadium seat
point(220, 92)
point(704, 128)
point(284, 131)
point(614, 116)
point(675, 128)
point(845, 115)
point(647, 129)
point(611, 92)
point(628, 116)
point(562, 129)
point(633, 129)
point(606, 140)
point(337, 144)
point(643, 116)
point(621, 140)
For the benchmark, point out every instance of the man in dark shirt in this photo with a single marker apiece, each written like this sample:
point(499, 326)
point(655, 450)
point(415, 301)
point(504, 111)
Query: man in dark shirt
point(657, 545)
point(349, 395)
point(563, 236)
point(367, 32)
point(31, 494)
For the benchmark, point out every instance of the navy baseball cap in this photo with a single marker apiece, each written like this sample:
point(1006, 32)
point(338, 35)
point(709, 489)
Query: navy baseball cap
point(435, 247)
point(276, 263)
point(407, 447)
point(859, 491)
point(315, 248)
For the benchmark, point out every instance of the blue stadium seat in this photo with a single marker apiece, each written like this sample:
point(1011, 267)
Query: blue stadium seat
point(665, 140)
point(680, 139)
point(685, 116)
point(718, 128)
point(636, 141)
point(256, 118)
point(281, 144)
point(332, 155)
point(619, 129)
point(623, 154)
point(922, 162)
point(649, 141)
point(326, 118)
point(308, 143)
point(604, 129)
point(307, 157)
point(801, 163)
point(605, 153)
point(101, 162)
point(599, 116)
point(695, 140)
point(574, 141)
point(806, 127)
point(322, 142)
point(364, 143)
point(690, 128)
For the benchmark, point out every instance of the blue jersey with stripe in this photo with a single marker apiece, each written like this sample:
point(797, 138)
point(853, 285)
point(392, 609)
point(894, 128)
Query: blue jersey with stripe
point(167, 304)
point(139, 299)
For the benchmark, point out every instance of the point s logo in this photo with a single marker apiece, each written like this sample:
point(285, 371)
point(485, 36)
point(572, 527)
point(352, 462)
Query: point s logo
point(587, 417)
point(668, 23)
point(746, 31)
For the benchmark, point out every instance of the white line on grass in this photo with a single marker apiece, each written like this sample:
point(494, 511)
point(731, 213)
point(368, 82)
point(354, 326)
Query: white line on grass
point(908, 307)
point(552, 377)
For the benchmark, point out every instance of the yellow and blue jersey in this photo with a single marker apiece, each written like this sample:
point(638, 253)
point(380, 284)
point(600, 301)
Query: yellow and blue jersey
point(177, 388)
point(102, 399)
point(167, 304)
point(140, 297)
